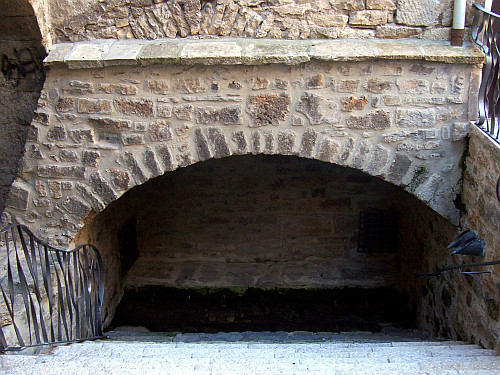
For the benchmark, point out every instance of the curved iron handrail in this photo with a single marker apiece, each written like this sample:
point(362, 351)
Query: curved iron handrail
point(484, 35)
point(49, 295)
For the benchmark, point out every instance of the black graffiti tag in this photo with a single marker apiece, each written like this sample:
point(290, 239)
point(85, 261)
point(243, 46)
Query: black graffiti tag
point(23, 63)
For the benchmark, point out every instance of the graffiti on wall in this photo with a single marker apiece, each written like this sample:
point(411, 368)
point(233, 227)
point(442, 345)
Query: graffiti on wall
point(22, 63)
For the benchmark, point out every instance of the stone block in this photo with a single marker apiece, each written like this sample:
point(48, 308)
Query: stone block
point(65, 105)
point(350, 103)
point(411, 117)
point(68, 156)
point(329, 18)
point(110, 124)
point(166, 157)
point(80, 135)
point(56, 133)
point(158, 86)
point(123, 52)
point(459, 130)
point(121, 89)
point(377, 120)
point(255, 142)
point(160, 131)
point(94, 106)
point(286, 142)
point(381, 4)
point(119, 179)
point(398, 169)
point(328, 150)
point(56, 171)
point(132, 139)
point(94, 201)
point(229, 115)
point(348, 85)
point(241, 142)
point(102, 187)
point(368, 18)
point(189, 85)
point(88, 54)
point(418, 12)
point(75, 207)
point(378, 160)
point(397, 32)
point(377, 86)
point(151, 163)
point(134, 167)
point(218, 141)
point(18, 197)
point(164, 110)
point(212, 53)
point(318, 110)
point(139, 107)
point(308, 142)
point(201, 143)
point(269, 143)
point(268, 109)
point(413, 86)
point(349, 5)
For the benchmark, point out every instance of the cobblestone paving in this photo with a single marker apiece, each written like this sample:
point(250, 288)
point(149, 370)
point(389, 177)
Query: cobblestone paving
point(252, 353)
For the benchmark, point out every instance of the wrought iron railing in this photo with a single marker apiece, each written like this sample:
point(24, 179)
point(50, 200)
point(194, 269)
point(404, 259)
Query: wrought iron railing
point(48, 295)
point(486, 34)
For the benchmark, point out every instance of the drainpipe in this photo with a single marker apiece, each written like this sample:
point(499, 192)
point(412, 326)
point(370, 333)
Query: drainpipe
point(458, 28)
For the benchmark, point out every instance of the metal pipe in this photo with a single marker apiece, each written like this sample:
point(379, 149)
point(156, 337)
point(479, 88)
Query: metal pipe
point(458, 28)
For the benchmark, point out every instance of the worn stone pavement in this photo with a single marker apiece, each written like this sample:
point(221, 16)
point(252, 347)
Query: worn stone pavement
point(129, 351)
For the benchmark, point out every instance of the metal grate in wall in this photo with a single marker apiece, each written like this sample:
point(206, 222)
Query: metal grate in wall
point(377, 231)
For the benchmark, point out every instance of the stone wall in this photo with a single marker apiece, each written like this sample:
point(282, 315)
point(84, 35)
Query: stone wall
point(287, 19)
point(99, 132)
point(21, 80)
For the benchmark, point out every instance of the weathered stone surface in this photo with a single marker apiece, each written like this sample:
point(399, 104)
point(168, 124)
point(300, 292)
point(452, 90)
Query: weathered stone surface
point(378, 160)
point(396, 32)
point(269, 143)
point(139, 107)
point(398, 168)
point(286, 142)
point(230, 115)
point(459, 130)
point(255, 141)
point(418, 12)
point(160, 131)
point(151, 163)
point(374, 120)
point(134, 167)
point(392, 100)
point(184, 112)
point(328, 150)
point(164, 110)
point(121, 89)
point(360, 155)
point(55, 171)
point(348, 85)
point(201, 145)
point(94, 106)
point(95, 202)
point(76, 207)
point(56, 133)
point(377, 86)
point(132, 139)
point(65, 105)
point(119, 179)
point(368, 18)
point(110, 124)
point(424, 118)
point(80, 135)
point(413, 86)
point(241, 142)
point(318, 109)
point(158, 86)
point(165, 157)
point(350, 103)
point(68, 156)
point(102, 187)
point(308, 142)
point(189, 86)
point(90, 158)
point(18, 197)
point(218, 141)
point(315, 82)
point(268, 109)
point(381, 4)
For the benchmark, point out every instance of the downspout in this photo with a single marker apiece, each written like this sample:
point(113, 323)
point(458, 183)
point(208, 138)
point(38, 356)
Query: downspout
point(458, 27)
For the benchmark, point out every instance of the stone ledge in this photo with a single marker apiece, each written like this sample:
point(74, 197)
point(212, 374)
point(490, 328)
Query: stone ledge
point(232, 51)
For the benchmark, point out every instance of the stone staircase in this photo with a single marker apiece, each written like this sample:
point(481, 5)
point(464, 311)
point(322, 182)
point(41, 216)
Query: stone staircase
point(252, 353)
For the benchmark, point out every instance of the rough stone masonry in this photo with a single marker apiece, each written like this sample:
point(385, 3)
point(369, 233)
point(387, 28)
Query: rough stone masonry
point(100, 131)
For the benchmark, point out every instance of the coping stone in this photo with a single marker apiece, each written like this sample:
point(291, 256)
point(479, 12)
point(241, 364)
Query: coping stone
point(235, 51)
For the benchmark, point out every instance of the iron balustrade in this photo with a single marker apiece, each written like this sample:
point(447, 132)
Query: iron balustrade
point(485, 33)
point(48, 295)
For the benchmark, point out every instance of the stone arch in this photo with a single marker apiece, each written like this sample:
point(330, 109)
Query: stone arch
point(98, 132)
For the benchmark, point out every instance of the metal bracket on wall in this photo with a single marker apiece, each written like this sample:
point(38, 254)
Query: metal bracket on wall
point(472, 274)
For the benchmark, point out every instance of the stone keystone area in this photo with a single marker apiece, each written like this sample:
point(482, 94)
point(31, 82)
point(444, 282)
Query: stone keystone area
point(102, 129)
